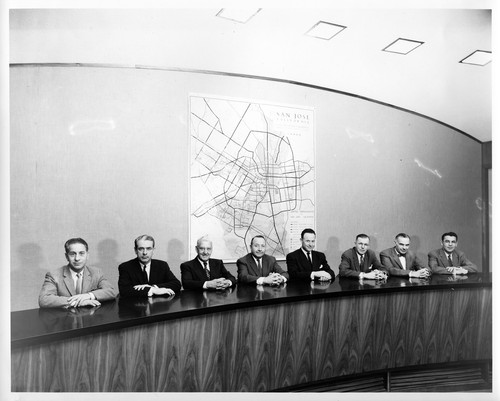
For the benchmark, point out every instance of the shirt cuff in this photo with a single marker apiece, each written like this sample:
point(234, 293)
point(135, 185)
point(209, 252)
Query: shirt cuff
point(205, 285)
point(92, 296)
point(260, 281)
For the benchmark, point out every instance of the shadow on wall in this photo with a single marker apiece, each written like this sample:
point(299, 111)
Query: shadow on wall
point(175, 251)
point(30, 275)
point(415, 246)
point(107, 260)
point(333, 254)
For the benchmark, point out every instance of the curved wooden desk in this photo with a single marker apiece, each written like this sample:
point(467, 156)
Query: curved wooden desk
point(253, 339)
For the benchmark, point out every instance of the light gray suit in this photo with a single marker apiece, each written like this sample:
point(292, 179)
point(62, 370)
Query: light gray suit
point(438, 261)
point(58, 286)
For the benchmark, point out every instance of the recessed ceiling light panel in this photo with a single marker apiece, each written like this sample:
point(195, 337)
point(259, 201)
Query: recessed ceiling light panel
point(479, 57)
point(325, 30)
point(238, 14)
point(402, 46)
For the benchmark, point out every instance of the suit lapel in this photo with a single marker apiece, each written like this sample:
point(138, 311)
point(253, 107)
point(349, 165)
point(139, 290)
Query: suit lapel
point(395, 257)
point(355, 260)
point(87, 280)
point(444, 259)
point(68, 281)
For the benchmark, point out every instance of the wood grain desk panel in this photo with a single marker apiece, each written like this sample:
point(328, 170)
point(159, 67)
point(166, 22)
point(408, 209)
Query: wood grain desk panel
point(264, 343)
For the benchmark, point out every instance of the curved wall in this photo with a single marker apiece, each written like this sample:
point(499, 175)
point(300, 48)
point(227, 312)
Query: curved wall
point(102, 153)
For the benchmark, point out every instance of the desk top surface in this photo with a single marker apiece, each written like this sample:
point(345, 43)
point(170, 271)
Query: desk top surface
point(36, 326)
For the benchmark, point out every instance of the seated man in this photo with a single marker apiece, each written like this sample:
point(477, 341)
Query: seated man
point(400, 261)
point(449, 260)
point(144, 276)
point(361, 262)
point(75, 284)
point(258, 268)
point(204, 273)
point(306, 263)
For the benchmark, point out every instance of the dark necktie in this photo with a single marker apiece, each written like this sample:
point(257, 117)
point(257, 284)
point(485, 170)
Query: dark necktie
point(207, 272)
point(361, 261)
point(450, 261)
point(145, 274)
point(309, 257)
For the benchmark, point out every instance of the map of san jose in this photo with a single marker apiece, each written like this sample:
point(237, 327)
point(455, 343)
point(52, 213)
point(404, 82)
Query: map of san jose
point(252, 172)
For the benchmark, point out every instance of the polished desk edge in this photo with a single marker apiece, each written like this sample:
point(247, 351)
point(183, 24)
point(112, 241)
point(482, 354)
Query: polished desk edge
point(298, 291)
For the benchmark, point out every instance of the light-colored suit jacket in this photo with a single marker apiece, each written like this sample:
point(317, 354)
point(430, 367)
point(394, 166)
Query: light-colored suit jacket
point(58, 286)
point(248, 272)
point(390, 260)
point(438, 261)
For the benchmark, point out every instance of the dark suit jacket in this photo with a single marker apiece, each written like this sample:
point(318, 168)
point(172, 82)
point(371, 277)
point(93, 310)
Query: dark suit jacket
point(130, 274)
point(438, 261)
point(349, 263)
point(390, 260)
point(248, 272)
point(58, 286)
point(299, 267)
point(193, 275)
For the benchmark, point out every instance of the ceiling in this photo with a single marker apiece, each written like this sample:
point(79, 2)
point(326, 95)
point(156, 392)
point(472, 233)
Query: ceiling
point(429, 80)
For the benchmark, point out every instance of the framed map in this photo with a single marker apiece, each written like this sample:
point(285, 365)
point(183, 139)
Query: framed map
point(251, 172)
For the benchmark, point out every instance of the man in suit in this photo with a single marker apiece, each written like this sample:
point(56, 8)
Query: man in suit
point(361, 262)
point(144, 276)
point(75, 284)
point(258, 268)
point(307, 264)
point(449, 260)
point(400, 261)
point(204, 273)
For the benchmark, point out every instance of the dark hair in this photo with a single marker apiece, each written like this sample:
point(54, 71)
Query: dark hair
point(72, 241)
point(144, 237)
point(257, 236)
point(362, 236)
point(450, 234)
point(307, 231)
point(402, 235)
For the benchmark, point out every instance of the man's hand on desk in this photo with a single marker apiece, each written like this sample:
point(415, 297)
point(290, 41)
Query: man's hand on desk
point(154, 290)
point(141, 287)
point(321, 275)
point(219, 283)
point(373, 275)
point(160, 291)
point(273, 279)
point(78, 300)
point(457, 270)
point(422, 273)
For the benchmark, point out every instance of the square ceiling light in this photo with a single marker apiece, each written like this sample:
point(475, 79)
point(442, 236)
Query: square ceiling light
point(402, 46)
point(242, 15)
point(325, 30)
point(479, 57)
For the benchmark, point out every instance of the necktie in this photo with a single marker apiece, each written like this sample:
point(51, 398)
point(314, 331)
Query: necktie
point(450, 261)
point(361, 261)
point(207, 272)
point(145, 274)
point(309, 257)
point(259, 266)
point(79, 281)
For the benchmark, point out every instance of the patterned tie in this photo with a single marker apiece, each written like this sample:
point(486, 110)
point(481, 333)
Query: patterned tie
point(361, 261)
point(450, 261)
point(207, 272)
point(259, 266)
point(79, 283)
